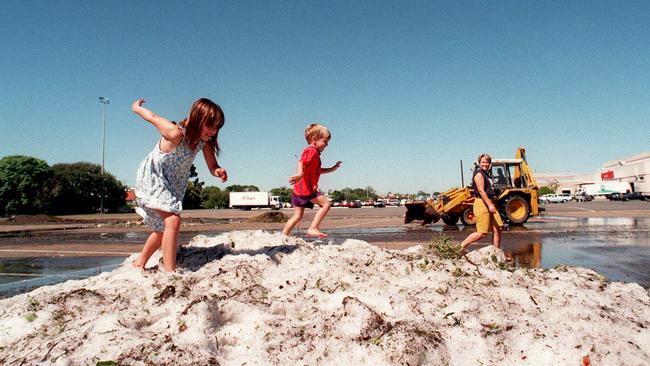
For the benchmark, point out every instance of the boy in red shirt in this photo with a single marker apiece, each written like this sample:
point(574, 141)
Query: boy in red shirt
point(305, 184)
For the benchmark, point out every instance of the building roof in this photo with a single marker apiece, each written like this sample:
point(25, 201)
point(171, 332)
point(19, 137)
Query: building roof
point(627, 160)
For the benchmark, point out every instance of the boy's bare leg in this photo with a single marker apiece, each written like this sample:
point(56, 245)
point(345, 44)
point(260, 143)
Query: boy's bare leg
point(170, 239)
point(150, 246)
point(294, 220)
point(314, 228)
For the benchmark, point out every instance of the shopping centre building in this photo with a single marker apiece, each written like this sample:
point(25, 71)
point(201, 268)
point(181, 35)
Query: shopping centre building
point(633, 170)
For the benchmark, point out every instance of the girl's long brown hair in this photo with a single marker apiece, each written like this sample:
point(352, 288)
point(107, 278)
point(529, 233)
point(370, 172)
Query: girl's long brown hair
point(203, 113)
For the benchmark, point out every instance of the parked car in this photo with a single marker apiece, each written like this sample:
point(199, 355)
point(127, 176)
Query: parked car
point(354, 204)
point(634, 196)
point(569, 196)
point(553, 198)
point(379, 203)
point(626, 196)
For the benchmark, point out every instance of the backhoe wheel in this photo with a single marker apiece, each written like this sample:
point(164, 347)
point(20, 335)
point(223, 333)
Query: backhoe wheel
point(517, 210)
point(450, 219)
point(468, 218)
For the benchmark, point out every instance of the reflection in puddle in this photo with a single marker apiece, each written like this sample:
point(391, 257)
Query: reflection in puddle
point(525, 255)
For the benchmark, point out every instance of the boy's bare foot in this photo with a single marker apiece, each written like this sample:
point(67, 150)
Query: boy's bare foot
point(137, 264)
point(315, 233)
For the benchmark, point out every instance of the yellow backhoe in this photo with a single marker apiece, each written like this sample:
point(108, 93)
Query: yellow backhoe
point(516, 197)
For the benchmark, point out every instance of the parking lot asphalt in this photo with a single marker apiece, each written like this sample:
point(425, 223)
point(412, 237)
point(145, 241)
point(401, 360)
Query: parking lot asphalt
point(121, 234)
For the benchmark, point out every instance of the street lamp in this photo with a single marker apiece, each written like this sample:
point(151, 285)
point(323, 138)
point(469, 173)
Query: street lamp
point(104, 101)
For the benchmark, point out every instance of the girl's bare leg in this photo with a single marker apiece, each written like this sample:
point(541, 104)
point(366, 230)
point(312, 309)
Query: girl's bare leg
point(170, 239)
point(314, 228)
point(150, 246)
point(294, 220)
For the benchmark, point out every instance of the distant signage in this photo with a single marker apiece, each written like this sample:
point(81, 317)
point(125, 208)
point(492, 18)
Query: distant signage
point(607, 175)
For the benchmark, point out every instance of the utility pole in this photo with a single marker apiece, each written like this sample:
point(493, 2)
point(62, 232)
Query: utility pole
point(104, 101)
point(462, 177)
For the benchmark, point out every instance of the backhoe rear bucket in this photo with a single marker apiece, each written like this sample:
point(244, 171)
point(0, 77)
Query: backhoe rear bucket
point(421, 211)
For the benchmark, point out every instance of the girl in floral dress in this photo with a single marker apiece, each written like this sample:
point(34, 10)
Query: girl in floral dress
point(163, 175)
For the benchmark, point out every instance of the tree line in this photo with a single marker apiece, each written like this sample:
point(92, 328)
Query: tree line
point(28, 185)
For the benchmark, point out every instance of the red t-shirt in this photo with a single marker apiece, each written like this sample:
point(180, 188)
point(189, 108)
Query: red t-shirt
point(308, 184)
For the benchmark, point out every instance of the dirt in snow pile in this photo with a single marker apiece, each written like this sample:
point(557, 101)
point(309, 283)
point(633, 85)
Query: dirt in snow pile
point(262, 299)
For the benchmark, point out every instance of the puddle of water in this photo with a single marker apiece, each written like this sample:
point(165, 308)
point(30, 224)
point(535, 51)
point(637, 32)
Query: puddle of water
point(19, 275)
point(589, 224)
point(618, 258)
point(367, 231)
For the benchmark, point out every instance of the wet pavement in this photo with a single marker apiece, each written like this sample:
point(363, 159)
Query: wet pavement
point(617, 247)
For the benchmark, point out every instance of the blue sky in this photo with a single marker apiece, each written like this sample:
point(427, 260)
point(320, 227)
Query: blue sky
point(408, 88)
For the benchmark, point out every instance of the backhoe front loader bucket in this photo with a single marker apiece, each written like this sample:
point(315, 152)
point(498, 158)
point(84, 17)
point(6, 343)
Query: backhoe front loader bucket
point(424, 211)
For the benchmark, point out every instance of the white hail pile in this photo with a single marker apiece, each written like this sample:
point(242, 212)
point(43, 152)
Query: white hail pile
point(259, 298)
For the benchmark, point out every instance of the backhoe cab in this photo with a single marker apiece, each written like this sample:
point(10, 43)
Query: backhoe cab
point(516, 197)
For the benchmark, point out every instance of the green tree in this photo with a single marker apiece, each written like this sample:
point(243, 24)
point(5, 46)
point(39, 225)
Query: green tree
point(284, 193)
point(371, 193)
point(554, 185)
point(214, 197)
point(78, 188)
point(351, 194)
point(336, 195)
point(193, 196)
point(242, 188)
point(24, 182)
point(545, 190)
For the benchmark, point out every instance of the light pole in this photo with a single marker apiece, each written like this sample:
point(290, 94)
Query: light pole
point(104, 101)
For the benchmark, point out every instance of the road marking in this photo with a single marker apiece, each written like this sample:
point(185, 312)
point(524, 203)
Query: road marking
point(61, 251)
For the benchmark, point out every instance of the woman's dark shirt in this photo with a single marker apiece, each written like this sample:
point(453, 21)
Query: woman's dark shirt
point(487, 184)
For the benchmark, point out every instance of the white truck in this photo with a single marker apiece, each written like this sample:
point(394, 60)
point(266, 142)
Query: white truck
point(605, 188)
point(248, 200)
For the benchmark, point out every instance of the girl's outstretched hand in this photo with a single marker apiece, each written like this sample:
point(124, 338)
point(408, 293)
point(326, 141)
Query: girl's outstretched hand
point(138, 103)
point(221, 173)
point(337, 165)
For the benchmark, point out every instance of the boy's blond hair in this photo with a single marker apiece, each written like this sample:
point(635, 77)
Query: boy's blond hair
point(316, 131)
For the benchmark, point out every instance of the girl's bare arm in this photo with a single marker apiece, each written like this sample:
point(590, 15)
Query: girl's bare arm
point(167, 128)
point(211, 161)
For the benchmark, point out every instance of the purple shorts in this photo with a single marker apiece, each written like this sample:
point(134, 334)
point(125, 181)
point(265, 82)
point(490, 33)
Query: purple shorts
point(304, 201)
